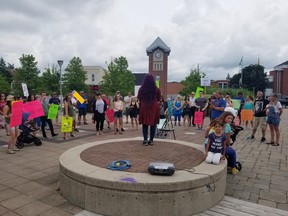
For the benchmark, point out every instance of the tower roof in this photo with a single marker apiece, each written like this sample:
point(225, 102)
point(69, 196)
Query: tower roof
point(158, 43)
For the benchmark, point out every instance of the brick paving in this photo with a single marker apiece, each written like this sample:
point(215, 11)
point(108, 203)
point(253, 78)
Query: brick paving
point(29, 179)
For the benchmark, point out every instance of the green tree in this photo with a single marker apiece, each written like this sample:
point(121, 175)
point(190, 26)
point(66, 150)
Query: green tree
point(5, 86)
point(192, 81)
point(75, 76)
point(253, 78)
point(50, 80)
point(26, 73)
point(118, 77)
point(5, 71)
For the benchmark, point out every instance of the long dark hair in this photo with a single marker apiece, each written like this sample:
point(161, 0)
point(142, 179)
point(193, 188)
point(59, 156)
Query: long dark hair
point(147, 92)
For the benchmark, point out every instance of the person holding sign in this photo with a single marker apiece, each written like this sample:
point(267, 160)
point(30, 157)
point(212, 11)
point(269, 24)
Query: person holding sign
point(12, 130)
point(201, 104)
point(68, 112)
point(44, 118)
point(55, 100)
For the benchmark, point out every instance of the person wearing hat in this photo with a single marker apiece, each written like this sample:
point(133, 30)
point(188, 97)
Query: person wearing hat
point(13, 130)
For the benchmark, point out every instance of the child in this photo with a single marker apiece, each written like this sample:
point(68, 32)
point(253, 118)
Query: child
point(216, 146)
point(226, 119)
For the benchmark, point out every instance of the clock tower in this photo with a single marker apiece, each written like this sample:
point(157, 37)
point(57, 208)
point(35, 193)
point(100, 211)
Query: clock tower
point(158, 53)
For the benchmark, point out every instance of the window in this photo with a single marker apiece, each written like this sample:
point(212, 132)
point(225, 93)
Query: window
point(93, 77)
point(158, 66)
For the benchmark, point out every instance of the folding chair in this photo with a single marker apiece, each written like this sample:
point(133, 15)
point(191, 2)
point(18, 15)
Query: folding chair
point(165, 128)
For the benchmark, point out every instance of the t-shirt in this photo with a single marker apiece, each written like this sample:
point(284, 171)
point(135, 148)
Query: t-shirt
point(54, 101)
point(259, 106)
point(83, 105)
point(218, 103)
point(201, 101)
point(216, 142)
point(99, 106)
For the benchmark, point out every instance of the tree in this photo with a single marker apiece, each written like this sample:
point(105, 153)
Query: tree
point(75, 76)
point(253, 78)
point(26, 73)
point(5, 86)
point(5, 71)
point(118, 77)
point(50, 80)
point(192, 81)
point(228, 77)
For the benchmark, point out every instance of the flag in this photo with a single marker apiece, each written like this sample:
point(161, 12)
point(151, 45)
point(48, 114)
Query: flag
point(240, 63)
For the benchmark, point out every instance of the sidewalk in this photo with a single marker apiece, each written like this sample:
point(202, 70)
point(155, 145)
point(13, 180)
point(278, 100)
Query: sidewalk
point(28, 183)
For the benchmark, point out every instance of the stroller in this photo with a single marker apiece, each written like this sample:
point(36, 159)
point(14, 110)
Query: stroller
point(163, 129)
point(25, 136)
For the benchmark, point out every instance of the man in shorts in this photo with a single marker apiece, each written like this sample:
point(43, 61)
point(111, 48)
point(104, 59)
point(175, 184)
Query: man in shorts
point(82, 109)
point(259, 115)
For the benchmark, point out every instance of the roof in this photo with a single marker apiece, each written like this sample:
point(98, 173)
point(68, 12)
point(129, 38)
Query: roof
point(158, 43)
point(282, 65)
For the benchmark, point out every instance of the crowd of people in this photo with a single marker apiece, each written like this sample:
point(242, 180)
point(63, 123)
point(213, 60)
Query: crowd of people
point(149, 106)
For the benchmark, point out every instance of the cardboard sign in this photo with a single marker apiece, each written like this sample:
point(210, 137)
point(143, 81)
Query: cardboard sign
point(237, 103)
point(197, 91)
point(78, 97)
point(16, 113)
point(198, 118)
point(34, 108)
point(53, 111)
point(205, 81)
point(110, 115)
point(67, 124)
point(247, 115)
point(157, 83)
point(25, 89)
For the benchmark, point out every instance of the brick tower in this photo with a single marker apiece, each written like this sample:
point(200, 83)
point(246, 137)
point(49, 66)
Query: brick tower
point(158, 53)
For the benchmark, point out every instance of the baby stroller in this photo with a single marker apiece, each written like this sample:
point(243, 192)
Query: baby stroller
point(25, 136)
point(163, 129)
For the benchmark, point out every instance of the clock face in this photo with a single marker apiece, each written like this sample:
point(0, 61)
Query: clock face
point(158, 54)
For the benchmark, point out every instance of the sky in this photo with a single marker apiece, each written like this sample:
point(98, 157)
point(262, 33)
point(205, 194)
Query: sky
point(213, 34)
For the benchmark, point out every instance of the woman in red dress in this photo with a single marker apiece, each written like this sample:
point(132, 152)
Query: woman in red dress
point(149, 96)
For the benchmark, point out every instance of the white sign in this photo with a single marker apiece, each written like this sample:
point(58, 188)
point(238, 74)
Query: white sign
point(25, 89)
point(205, 82)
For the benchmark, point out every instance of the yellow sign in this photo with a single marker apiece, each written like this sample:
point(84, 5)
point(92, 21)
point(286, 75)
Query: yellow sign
point(67, 124)
point(157, 83)
point(78, 97)
point(197, 91)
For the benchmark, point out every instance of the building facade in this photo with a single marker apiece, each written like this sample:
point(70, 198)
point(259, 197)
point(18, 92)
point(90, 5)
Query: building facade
point(94, 76)
point(280, 79)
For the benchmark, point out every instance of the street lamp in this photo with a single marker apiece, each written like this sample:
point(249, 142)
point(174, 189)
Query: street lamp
point(60, 63)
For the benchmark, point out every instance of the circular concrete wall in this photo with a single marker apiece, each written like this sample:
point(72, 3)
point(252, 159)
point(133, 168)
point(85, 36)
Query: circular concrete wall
point(107, 192)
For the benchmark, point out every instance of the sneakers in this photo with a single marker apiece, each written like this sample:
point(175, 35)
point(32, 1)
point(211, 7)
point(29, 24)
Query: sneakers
point(145, 143)
point(10, 151)
point(150, 142)
point(250, 137)
point(15, 149)
point(263, 139)
point(234, 171)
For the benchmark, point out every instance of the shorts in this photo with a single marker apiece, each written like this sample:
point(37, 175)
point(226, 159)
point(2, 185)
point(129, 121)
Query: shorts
point(274, 120)
point(127, 111)
point(118, 114)
point(133, 113)
point(259, 120)
point(82, 111)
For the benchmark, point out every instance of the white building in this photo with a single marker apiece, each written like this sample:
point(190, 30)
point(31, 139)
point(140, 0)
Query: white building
point(94, 75)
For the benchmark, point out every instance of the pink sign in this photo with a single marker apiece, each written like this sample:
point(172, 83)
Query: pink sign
point(110, 115)
point(16, 114)
point(198, 118)
point(34, 108)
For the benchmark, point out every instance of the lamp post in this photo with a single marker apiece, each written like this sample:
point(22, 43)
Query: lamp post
point(60, 63)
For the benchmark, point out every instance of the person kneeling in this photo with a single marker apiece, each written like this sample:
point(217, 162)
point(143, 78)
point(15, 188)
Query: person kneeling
point(216, 146)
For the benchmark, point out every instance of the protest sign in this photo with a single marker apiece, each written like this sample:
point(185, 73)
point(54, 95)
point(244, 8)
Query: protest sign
point(198, 118)
point(53, 111)
point(205, 81)
point(67, 124)
point(237, 103)
point(247, 115)
point(78, 97)
point(25, 89)
point(110, 115)
point(197, 91)
point(157, 83)
point(16, 113)
point(34, 108)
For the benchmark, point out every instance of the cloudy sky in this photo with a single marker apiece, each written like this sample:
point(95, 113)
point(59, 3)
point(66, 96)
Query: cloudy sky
point(211, 33)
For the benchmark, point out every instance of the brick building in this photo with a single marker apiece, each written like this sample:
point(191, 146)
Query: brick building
point(280, 79)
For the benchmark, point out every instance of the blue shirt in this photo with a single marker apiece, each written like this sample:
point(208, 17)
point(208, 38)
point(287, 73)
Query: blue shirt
point(216, 142)
point(218, 103)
